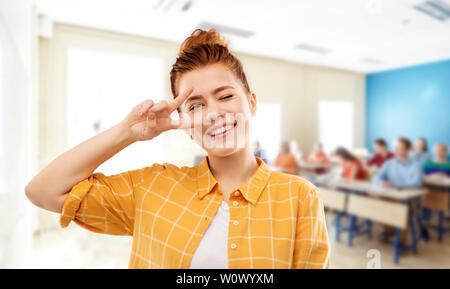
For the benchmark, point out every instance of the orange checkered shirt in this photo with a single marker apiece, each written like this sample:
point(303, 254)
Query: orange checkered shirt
point(167, 209)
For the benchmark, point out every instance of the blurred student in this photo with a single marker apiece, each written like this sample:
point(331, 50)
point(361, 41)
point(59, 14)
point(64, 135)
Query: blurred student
point(352, 168)
point(318, 156)
point(439, 166)
point(420, 152)
point(401, 171)
point(285, 160)
point(260, 153)
point(381, 155)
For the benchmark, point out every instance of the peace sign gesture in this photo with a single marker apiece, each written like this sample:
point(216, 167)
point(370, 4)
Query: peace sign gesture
point(148, 119)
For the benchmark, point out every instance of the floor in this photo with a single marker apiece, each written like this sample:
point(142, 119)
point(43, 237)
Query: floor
point(431, 255)
point(74, 247)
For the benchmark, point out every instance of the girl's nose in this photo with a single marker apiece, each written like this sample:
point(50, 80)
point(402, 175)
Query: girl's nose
point(212, 116)
point(214, 111)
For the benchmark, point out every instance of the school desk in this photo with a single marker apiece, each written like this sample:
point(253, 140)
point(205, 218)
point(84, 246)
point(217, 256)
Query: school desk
point(438, 199)
point(312, 166)
point(363, 199)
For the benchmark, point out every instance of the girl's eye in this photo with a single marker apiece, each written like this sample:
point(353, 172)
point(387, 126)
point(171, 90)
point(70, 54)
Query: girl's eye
point(195, 106)
point(225, 97)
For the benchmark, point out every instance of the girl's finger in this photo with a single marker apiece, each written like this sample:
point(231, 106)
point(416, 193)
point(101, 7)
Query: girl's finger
point(184, 123)
point(177, 123)
point(180, 99)
point(145, 106)
point(151, 119)
point(159, 106)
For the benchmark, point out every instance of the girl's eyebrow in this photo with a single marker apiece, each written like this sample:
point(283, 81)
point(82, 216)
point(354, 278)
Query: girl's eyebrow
point(192, 98)
point(215, 91)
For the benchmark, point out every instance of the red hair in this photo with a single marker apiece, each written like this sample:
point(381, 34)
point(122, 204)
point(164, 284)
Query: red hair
point(203, 48)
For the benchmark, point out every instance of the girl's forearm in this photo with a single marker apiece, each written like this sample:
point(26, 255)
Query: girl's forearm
point(48, 187)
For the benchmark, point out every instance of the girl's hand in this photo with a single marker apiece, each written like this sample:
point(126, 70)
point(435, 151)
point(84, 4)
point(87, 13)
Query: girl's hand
point(148, 119)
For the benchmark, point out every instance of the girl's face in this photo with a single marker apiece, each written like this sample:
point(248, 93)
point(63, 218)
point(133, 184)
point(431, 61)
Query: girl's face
point(340, 159)
point(220, 108)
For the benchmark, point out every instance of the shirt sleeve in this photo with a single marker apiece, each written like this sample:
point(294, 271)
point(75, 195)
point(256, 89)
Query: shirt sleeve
point(293, 163)
point(103, 204)
point(415, 178)
point(277, 161)
point(381, 175)
point(311, 244)
point(372, 160)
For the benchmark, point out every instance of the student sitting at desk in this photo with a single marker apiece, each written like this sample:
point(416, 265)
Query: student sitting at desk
point(286, 160)
point(381, 155)
point(318, 156)
point(440, 166)
point(420, 152)
point(400, 172)
point(352, 169)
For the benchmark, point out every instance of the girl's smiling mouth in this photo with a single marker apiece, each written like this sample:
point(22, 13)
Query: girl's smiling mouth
point(220, 131)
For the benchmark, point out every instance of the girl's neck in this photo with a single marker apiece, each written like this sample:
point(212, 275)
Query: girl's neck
point(239, 166)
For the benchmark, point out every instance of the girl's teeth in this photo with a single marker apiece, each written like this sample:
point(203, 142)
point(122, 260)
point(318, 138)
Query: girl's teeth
point(221, 130)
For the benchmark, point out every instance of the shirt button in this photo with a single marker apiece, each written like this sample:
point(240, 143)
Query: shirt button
point(235, 223)
point(233, 246)
point(235, 203)
point(236, 194)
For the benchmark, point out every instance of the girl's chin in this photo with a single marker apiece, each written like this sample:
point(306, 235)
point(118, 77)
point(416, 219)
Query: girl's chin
point(223, 148)
point(221, 152)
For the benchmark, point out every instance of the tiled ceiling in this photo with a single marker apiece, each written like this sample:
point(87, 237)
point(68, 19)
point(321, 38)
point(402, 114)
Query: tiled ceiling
point(358, 35)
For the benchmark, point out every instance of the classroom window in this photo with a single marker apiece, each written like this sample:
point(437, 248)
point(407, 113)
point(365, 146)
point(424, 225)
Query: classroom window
point(103, 87)
point(266, 127)
point(336, 124)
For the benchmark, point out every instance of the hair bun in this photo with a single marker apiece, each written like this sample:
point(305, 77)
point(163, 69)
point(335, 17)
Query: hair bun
point(199, 36)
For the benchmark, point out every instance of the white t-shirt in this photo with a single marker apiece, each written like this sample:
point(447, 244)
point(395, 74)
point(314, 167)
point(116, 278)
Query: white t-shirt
point(212, 252)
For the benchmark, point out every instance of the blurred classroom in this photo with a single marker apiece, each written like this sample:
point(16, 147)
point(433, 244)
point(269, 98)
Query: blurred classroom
point(357, 94)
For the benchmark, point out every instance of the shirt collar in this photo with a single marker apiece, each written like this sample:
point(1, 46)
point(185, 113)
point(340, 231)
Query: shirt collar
point(251, 190)
point(406, 162)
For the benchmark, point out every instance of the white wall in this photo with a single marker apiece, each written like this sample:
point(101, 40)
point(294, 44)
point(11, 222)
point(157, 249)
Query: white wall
point(19, 117)
point(299, 88)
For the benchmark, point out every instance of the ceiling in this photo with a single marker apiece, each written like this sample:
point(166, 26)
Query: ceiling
point(358, 35)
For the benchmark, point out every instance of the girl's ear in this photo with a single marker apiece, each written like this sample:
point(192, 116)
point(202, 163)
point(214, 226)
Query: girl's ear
point(252, 103)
